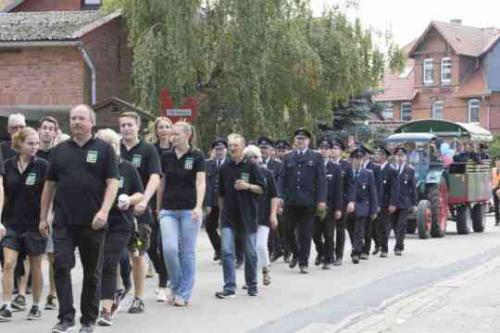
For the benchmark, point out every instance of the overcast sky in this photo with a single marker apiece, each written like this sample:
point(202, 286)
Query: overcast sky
point(408, 19)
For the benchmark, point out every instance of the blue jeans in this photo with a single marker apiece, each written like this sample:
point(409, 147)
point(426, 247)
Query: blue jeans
point(179, 233)
point(228, 258)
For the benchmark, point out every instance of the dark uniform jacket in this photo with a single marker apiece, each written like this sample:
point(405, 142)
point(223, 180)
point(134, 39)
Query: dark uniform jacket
point(389, 189)
point(376, 172)
point(302, 181)
point(334, 181)
point(366, 202)
point(347, 180)
point(212, 183)
point(275, 166)
point(407, 188)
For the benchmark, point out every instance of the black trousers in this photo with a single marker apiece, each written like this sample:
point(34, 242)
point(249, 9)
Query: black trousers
point(339, 235)
point(155, 253)
point(356, 228)
point(90, 244)
point(496, 205)
point(114, 244)
point(399, 226)
point(300, 226)
point(384, 228)
point(369, 235)
point(282, 232)
point(212, 228)
point(323, 237)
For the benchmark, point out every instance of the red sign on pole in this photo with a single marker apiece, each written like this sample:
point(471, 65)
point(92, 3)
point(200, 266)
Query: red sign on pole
point(188, 111)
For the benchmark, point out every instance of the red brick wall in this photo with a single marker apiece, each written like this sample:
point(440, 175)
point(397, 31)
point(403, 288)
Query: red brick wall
point(48, 5)
point(41, 76)
point(107, 47)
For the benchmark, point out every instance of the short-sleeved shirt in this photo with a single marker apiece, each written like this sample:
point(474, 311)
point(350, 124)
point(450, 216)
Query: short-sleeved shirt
point(23, 193)
point(240, 208)
point(180, 179)
point(270, 192)
point(129, 184)
point(145, 159)
point(45, 154)
point(80, 174)
point(161, 150)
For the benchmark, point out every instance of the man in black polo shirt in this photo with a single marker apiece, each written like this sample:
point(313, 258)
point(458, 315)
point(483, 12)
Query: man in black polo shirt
point(47, 130)
point(83, 178)
point(144, 157)
point(240, 184)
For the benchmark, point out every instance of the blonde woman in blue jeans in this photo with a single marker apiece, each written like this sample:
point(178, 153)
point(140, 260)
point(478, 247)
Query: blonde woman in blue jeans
point(181, 200)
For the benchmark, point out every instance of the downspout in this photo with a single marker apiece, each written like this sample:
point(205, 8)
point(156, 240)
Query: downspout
point(91, 67)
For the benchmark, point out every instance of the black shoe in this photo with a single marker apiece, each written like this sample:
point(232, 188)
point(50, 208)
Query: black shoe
point(5, 314)
point(398, 252)
point(355, 259)
point(35, 313)
point(383, 254)
point(326, 266)
point(239, 263)
point(244, 287)
point(337, 262)
point(303, 269)
point(216, 256)
point(87, 328)
point(19, 303)
point(63, 327)
point(364, 256)
point(376, 250)
point(253, 292)
point(318, 260)
point(105, 318)
point(51, 303)
point(137, 306)
point(286, 258)
point(276, 256)
point(225, 294)
point(293, 262)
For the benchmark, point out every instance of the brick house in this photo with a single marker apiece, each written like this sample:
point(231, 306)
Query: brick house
point(52, 60)
point(452, 73)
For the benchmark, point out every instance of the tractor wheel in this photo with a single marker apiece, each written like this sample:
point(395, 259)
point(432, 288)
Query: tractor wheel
point(478, 217)
point(424, 219)
point(464, 220)
point(411, 226)
point(438, 196)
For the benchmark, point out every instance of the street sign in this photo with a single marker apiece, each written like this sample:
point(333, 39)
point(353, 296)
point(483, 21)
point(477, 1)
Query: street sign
point(188, 111)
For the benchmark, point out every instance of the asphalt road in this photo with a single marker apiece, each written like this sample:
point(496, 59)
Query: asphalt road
point(323, 301)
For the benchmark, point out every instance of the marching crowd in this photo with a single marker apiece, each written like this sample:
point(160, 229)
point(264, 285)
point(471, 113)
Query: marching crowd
point(123, 201)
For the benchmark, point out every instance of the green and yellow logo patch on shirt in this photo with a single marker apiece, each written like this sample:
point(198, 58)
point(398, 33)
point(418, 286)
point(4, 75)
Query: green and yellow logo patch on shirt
point(188, 163)
point(30, 179)
point(92, 156)
point(137, 160)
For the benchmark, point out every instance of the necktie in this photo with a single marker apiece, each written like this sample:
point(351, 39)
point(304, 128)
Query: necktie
point(218, 164)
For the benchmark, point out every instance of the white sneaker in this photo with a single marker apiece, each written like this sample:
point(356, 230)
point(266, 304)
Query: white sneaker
point(161, 296)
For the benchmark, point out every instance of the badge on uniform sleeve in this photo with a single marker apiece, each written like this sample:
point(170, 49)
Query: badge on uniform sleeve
point(137, 160)
point(188, 163)
point(92, 156)
point(120, 183)
point(30, 179)
point(245, 177)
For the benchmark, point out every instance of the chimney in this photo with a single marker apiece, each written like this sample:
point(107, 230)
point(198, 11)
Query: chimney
point(456, 21)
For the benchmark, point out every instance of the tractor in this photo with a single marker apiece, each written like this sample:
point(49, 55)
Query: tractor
point(459, 191)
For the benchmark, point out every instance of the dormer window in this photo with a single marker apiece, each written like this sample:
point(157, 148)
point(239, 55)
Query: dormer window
point(445, 71)
point(428, 71)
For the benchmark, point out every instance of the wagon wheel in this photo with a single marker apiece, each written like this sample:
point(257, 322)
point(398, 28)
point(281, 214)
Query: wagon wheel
point(438, 195)
point(424, 219)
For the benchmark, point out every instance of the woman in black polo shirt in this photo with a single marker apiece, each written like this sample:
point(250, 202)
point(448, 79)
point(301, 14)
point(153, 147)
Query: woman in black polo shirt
point(162, 134)
point(181, 195)
point(23, 183)
point(120, 227)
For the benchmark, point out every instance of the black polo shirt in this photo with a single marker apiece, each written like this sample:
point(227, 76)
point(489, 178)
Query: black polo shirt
point(23, 192)
point(240, 210)
point(129, 184)
point(80, 174)
point(45, 154)
point(180, 179)
point(7, 150)
point(270, 192)
point(161, 150)
point(145, 159)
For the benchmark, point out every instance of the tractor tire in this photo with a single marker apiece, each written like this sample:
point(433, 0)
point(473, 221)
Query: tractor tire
point(438, 197)
point(411, 226)
point(424, 219)
point(478, 217)
point(464, 220)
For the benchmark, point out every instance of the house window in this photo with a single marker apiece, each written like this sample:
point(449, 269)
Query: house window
point(405, 111)
point(388, 112)
point(92, 2)
point(446, 70)
point(428, 71)
point(437, 110)
point(473, 110)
